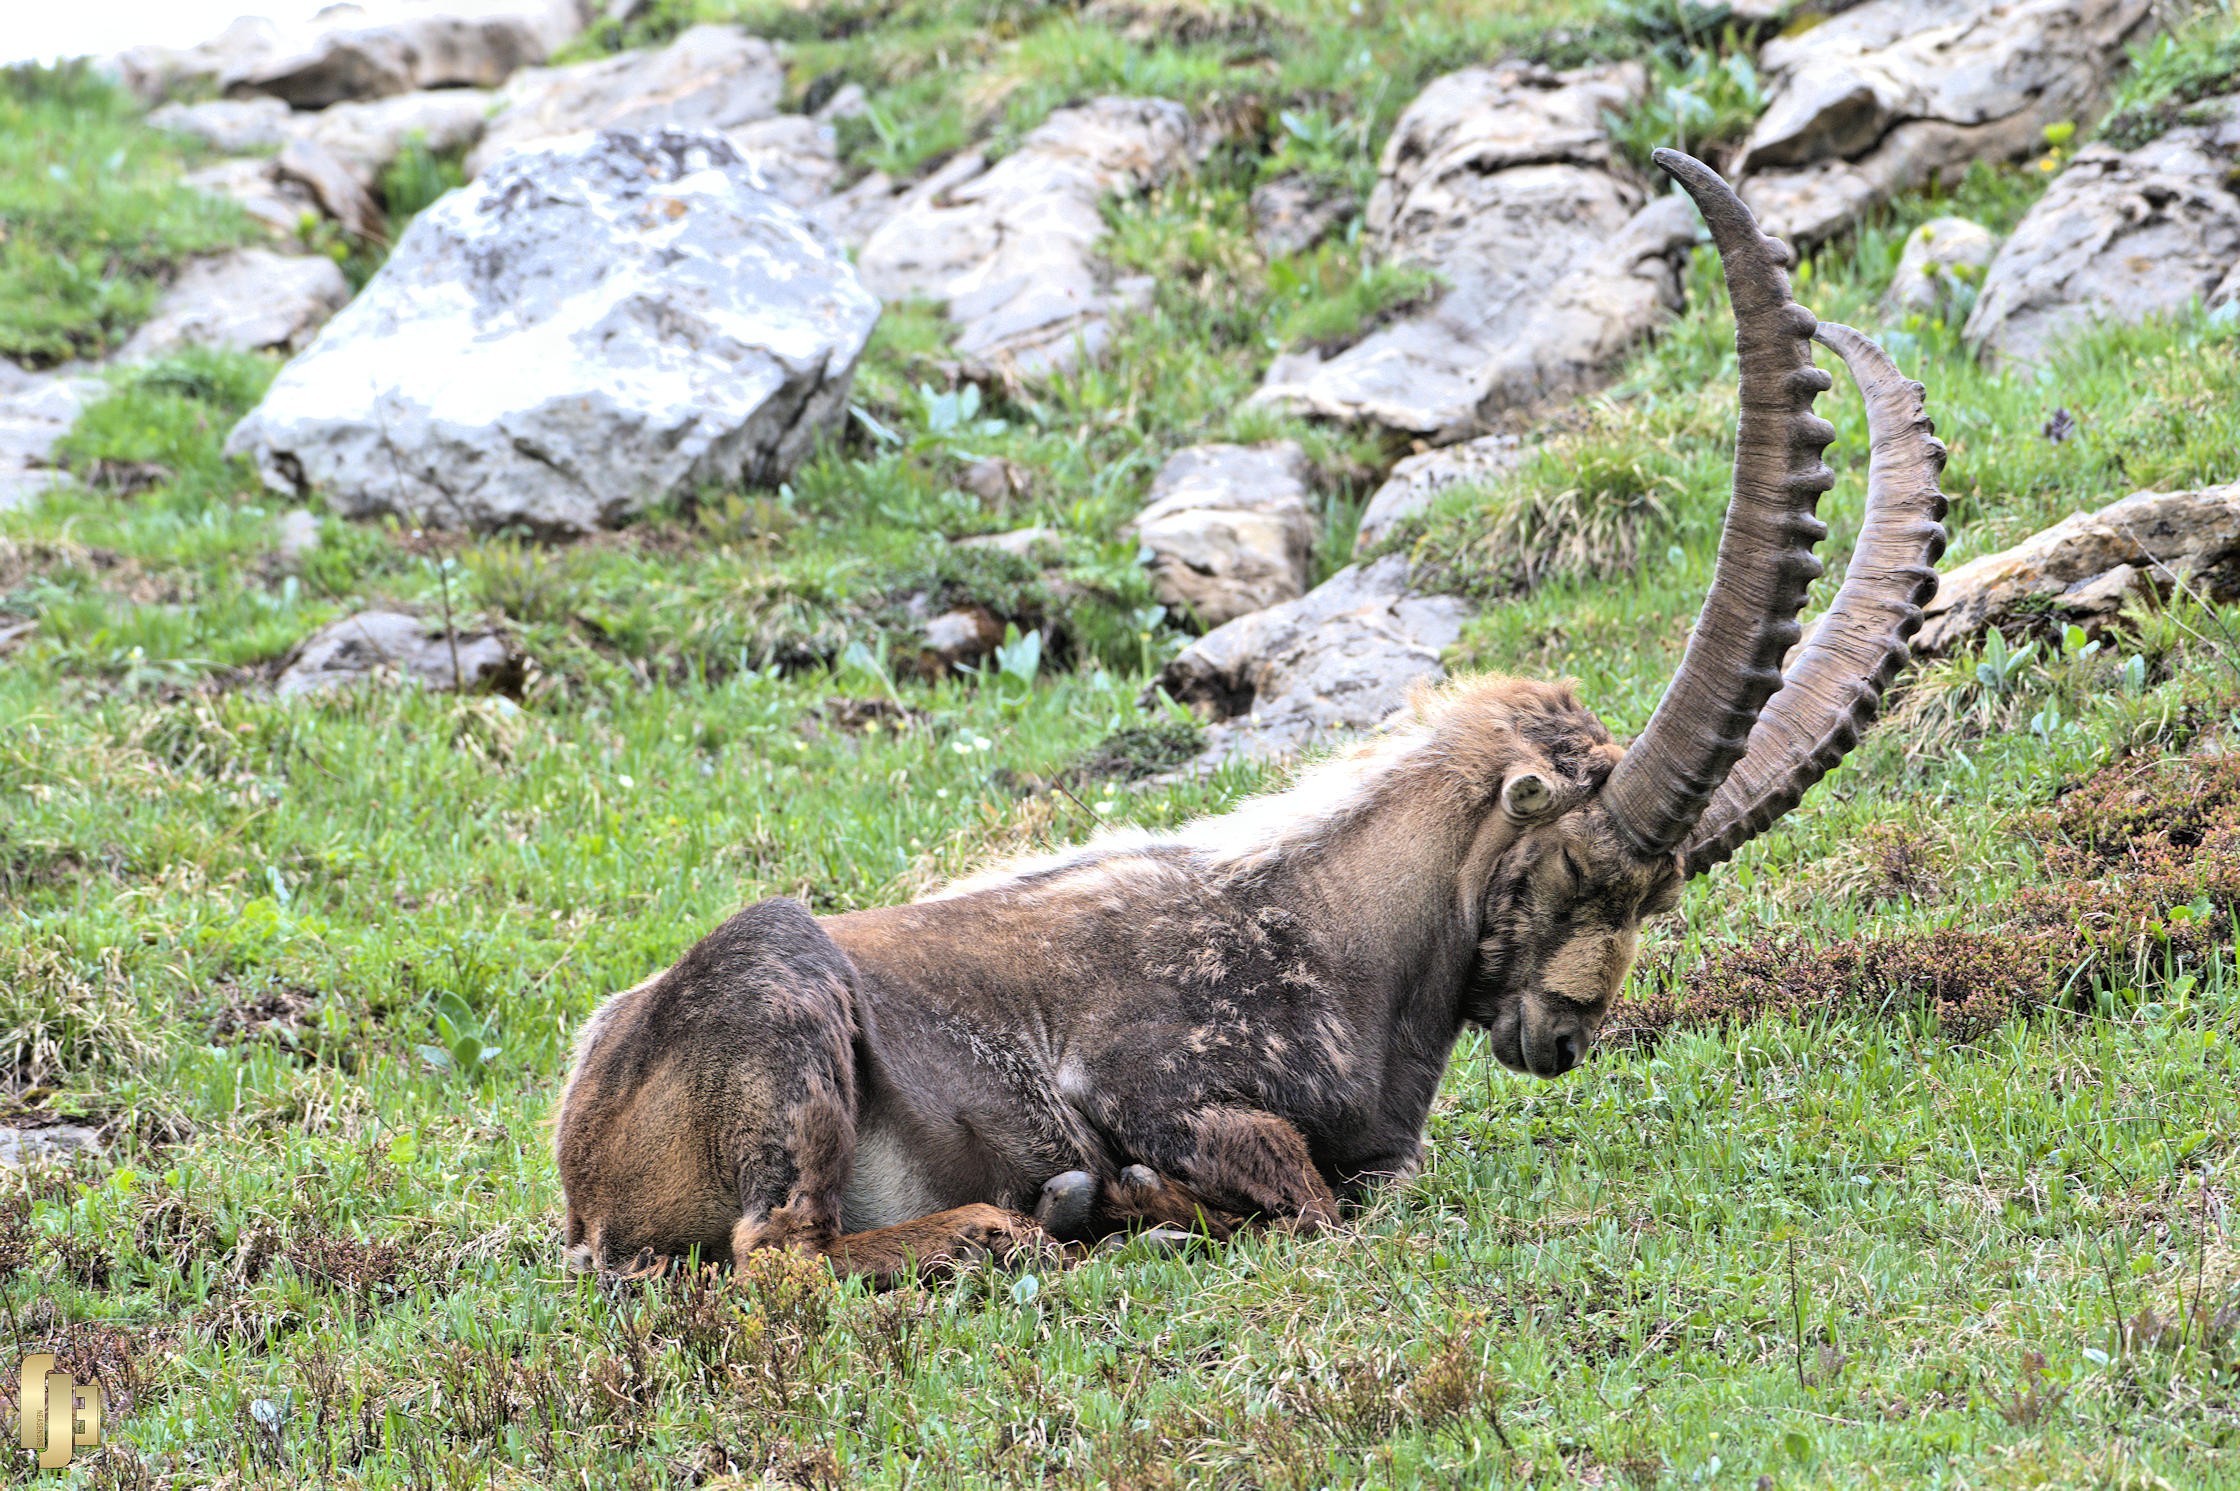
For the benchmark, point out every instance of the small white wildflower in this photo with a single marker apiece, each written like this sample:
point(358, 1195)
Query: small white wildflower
point(1104, 807)
point(982, 743)
point(627, 784)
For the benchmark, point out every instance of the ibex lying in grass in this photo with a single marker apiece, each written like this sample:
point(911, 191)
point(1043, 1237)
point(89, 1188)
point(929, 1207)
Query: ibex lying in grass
point(1252, 1015)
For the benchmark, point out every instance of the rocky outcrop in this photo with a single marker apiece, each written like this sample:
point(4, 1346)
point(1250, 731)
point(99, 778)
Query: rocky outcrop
point(711, 78)
point(1009, 249)
point(1227, 530)
point(1418, 480)
point(371, 643)
point(37, 410)
point(236, 126)
point(1941, 264)
point(2083, 568)
point(2120, 236)
point(1336, 661)
point(1894, 94)
point(1500, 180)
point(578, 334)
point(277, 205)
point(367, 137)
point(797, 157)
point(457, 45)
point(249, 300)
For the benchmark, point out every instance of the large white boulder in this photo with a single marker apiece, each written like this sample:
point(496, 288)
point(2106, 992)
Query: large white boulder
point(1228, 529)
point(2120, 236)
point(1336, 661)
point(1894, 94)
point(1500, 181)
point(247, 300)
point(2083, 568)
point(710, 78)
point(1010, 249)
point(584, 331)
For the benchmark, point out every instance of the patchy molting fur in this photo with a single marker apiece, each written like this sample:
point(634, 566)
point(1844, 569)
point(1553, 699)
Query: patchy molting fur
point(1258, 1007)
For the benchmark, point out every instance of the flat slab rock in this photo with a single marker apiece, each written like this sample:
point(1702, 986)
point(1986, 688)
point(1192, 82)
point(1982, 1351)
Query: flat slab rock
point(2120, 236)
point(37, 410)
point(1500, 181)
point(21, 1148)
point(2086, 566)
point(1894, 94)
point(584, 331)
point(711, 78)
point(1417, 480)
point(1228, 529)
point(1337, 661)
point(1009, 249)
point(247, 300)
point(358, 647)
point(458, 44)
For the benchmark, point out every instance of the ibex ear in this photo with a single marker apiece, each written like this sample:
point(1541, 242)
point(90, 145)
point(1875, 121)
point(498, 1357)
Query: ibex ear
point(1527, 796)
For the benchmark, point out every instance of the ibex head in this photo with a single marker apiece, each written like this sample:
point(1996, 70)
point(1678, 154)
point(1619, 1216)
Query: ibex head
point(1592, 845)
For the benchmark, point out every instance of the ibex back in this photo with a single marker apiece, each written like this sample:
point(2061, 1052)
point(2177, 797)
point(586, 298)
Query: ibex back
point(1250, 1017)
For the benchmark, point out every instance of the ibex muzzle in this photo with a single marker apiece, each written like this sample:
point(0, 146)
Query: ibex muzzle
point(1250, 1017)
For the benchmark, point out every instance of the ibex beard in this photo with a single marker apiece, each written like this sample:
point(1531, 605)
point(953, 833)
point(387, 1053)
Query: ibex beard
point(1249, 1018)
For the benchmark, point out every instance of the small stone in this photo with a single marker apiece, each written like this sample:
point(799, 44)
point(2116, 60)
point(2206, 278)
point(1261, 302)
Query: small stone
point(1037, 543)
point(1334, 662)
point(963, 636)
point(1940, 258)
point(1227, 529)
point(298, 535)
point(366, 138)
point(1417, 481)
point(1294, 213)
point(356, 648)
point(848, 101)
point(332, 185)
point(279, 206)
point(994, 479)
point(22, 1148)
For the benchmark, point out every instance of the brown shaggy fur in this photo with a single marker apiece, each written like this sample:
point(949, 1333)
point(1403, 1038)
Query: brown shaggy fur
point(1258, 1008)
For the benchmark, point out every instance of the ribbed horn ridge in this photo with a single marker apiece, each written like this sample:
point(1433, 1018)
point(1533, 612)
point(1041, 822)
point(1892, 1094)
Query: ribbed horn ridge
point(1834, 689)
point(1749, 620)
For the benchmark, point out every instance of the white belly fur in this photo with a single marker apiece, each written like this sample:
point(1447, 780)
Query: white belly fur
point(887, 1187)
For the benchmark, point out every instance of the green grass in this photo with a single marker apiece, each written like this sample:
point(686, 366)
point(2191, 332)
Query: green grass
point(1836, 1242)
point(2171, 73)
point(94, 218)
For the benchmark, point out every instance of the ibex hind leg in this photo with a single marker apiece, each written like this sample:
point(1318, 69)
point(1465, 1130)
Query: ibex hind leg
point(713, 1108)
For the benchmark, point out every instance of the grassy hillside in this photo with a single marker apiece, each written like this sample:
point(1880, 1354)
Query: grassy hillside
point(1909, 1162)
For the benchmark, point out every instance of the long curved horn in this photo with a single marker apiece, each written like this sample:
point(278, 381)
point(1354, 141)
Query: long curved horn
point(1833, 690)
point(1749, 620)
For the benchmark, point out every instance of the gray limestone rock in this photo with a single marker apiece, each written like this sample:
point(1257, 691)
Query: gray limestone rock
point(583, 331)
point(1500, 181)
point(2120, 236)
point(1228, 529)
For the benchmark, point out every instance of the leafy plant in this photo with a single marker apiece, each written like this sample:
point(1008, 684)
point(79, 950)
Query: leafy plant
point(2200, 59)
point(465, 1043)
point(1705, 105)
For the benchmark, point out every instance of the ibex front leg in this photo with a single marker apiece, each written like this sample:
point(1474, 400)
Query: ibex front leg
point(1244, 1161)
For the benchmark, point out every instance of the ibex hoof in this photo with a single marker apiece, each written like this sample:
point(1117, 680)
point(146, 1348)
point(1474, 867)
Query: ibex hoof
point(1068, 1208)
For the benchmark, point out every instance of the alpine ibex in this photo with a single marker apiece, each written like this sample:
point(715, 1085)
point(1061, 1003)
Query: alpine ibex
point(1251, 1015)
